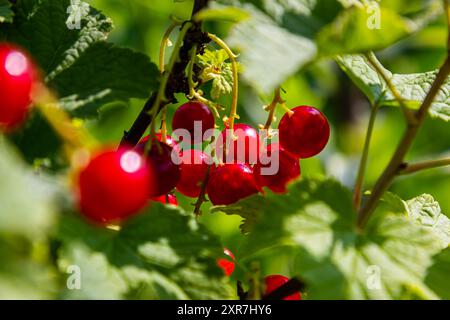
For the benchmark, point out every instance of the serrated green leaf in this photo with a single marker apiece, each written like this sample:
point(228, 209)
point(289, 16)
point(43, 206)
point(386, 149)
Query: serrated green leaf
point(426, 211)
point(26, 200)
point(316, 218)
point(412, 87)
point(163, 250)
point(260, 35)
point(86, 71)
point(104, 73)
point(6, 14)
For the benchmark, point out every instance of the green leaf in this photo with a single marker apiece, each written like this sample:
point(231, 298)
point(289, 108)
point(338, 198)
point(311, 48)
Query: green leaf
point(104, 73)
point(214, 67)
point(219, 12)
point(258, 36)
point(438, 277)
point(86, 71)
point(26, 200)
point(23, 276)
point(6, 14)
point(160, 253)
point(316, 218)
point(426, 211)
point(412, 87)
point(361, 29)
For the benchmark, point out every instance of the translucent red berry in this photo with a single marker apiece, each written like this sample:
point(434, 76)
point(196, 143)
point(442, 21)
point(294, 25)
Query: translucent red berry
point(194, 166)
point(226, 264)
point(114, 185)
point(273, 282)
point(17, 76)
point(275, 169)
point(243, 148)
point(305, 132)
point(167, 199)
point(190, 115)
point(231, 182)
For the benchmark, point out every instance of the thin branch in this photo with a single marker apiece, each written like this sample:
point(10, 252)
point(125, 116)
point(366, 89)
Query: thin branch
point(408, 168)
point(177, 81)
point(357, 193)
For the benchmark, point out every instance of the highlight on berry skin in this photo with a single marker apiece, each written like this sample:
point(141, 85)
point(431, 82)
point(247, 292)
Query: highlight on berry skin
point(18, 76)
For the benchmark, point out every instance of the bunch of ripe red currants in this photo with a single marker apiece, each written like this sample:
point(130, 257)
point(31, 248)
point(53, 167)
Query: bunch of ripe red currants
point(118, 183)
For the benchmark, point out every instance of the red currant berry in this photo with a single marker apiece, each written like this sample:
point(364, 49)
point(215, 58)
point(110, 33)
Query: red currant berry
point(305, 132)
point(114, 185)
point(275, 169)
point(194, 166)
point(225, 264)
point(165, 165)
point(274, 282)
point(167, 199)
point(244, 148)
point(17, 76)
point(229, 183)
point(193, 114)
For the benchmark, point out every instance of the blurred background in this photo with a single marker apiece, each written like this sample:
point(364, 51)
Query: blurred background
point(139, 24)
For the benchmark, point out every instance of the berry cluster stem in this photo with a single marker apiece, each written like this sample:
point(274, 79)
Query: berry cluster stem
point(357, 193)
point(235, 70)
point(272, 106)
point(395, 165)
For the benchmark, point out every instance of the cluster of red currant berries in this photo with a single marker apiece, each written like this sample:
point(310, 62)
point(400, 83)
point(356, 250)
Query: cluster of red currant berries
point(117, 183)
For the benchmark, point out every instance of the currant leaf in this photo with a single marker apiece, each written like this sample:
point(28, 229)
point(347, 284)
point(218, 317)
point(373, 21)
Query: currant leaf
point(162, 250)
point(389, 260)
point(412, 87)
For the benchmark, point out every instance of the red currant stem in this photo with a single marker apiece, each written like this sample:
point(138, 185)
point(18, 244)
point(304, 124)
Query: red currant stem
point(271, 108)
point(395, 164)
point(293, 286)
point(288, 111)
point(235, 70)
point(164, 42)
point(202, 196)
point(408, 168)
point(164, 124)
point(357, 193)
point(160, 98)
point(408, 114)
point(162, 54)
